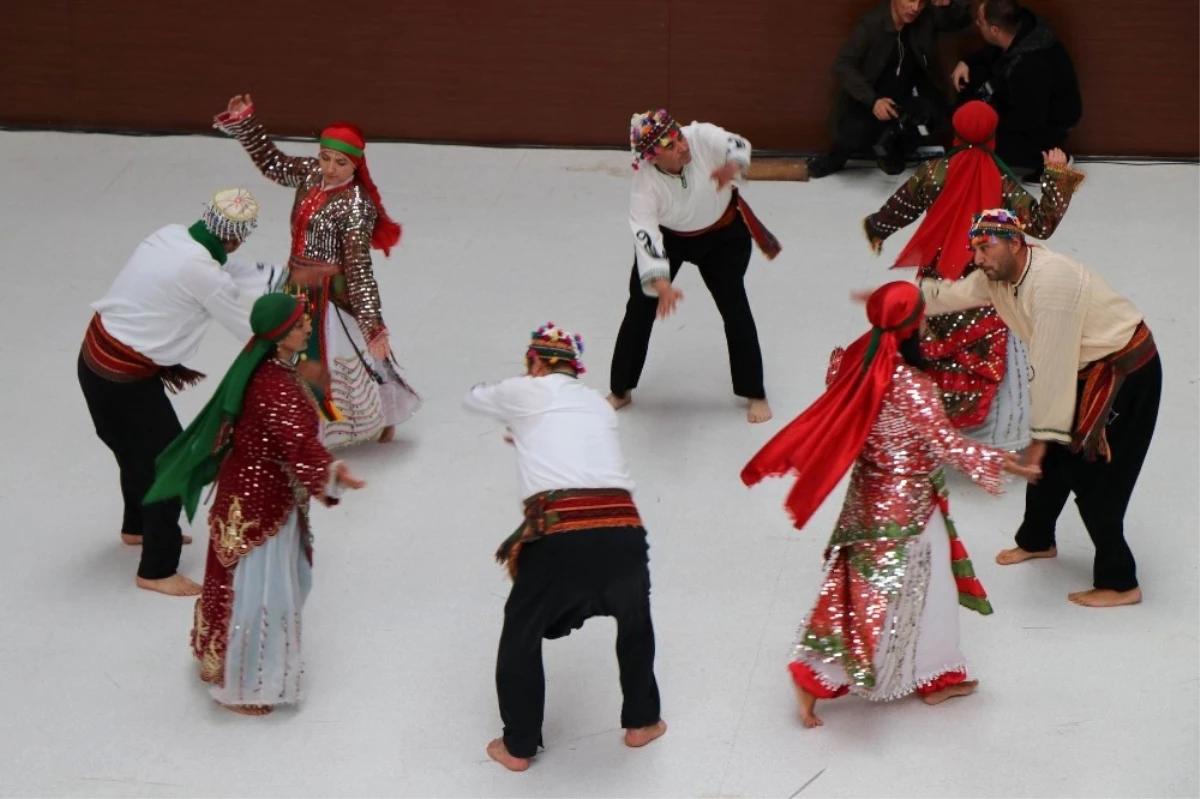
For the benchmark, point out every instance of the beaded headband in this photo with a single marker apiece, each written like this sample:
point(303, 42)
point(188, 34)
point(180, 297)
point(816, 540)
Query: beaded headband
point(998, 223)
point(649, 131)
point(231, 215)
point(553, 345)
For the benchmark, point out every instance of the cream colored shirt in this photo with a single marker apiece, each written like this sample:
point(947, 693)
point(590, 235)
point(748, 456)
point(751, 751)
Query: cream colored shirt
point(1067, 316)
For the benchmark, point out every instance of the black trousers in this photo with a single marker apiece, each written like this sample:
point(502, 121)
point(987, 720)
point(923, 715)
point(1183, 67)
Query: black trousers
point(562, 581)
point(137, 422)
point(1102, 490)
point(722, 256)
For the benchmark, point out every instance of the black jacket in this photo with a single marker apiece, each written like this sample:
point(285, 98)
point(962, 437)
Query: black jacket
point(863, 58)
point(1034, 80)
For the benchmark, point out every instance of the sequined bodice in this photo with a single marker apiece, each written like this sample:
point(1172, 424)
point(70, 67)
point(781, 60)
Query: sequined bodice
point(891, 494)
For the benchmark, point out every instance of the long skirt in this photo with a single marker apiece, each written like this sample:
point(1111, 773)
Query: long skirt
point(910, 644)
point(1007, 423)
point(369, 394)
point(263, 664)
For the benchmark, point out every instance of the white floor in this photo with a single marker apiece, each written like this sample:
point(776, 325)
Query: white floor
point(99, 696)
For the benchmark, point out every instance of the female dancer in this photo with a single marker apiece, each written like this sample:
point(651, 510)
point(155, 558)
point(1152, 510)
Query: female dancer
point(258, 438)
point(982, 371)
point(337, 217)
point(885, 623)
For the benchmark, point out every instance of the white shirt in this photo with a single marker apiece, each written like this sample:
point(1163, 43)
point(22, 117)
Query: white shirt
point(686, 202)
point(565, 433)
point(164, 298)
point(1067, 315)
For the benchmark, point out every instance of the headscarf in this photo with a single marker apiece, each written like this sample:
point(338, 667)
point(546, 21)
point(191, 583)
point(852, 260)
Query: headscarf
point(553, 344)
point(973, 182)
point(819, 446)
point(193, 459)
point(348, 140)
point(650, 130)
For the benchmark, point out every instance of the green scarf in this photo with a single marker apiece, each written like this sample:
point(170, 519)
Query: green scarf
point(192, 460)
point(211, 243)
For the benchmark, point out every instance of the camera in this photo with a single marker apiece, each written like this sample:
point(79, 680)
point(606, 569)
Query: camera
point(986, 92)
point(908, 127)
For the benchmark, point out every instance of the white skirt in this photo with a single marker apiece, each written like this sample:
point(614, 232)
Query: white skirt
point(263, 664)
point(1007, 422)
point(919, 639)
point(368, 401)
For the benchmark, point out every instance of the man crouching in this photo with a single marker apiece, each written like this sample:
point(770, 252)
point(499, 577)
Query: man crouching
point(574, 480)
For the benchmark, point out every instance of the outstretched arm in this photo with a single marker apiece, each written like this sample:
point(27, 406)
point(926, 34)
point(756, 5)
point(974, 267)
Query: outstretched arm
point(909, 201)
point(1042, 217)
point(239, 121)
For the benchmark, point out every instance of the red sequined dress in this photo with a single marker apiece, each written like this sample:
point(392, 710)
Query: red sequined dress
point(330, 264)
point(968, 351)
point(246, 633)
point(886, 621)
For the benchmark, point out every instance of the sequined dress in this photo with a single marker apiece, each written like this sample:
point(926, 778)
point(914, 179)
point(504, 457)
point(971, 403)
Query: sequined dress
point(330, 264)
point(982, 371)
point(885, 623)
point(246, 633)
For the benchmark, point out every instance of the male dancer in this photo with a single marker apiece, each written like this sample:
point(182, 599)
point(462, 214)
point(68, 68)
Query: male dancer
point(581, 551)
point(152, 320)
point(1095, 393)
point(685, 207)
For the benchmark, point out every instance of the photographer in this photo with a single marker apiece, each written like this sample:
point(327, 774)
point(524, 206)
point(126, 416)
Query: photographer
point(1025, 73)
point(890, 94)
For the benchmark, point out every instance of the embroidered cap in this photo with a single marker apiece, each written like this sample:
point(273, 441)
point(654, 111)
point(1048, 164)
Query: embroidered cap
point(231, 215)
point(998, 223)
point(650, 130)
point(553, 344)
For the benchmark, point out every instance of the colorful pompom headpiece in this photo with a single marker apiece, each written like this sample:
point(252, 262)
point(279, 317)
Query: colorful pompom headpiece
point(231, 215)
point(650, 130)
point(555, 345)
point(998, 223)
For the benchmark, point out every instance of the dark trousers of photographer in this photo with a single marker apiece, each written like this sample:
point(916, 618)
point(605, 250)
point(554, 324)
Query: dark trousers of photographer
point(859, 132)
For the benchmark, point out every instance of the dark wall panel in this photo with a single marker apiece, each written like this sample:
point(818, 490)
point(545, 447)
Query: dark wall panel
point(540, 71)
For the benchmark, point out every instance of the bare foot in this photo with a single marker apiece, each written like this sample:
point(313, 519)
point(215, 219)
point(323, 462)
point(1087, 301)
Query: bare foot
point(499, 752)
point(136, 540)
point(960, 689)
point(640, 736)
point(247, 710)
point(758, 411)
point(619, 402)
point(1106, 597)
point(387, 434)
point(808, 704)
point(1008, 557)
point(175, 585)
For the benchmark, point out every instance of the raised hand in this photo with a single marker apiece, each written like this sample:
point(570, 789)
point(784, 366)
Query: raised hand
point(238, 104)
point(1055, 156)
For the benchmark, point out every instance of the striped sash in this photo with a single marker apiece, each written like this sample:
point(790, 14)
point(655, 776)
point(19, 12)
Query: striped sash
point(114, 361)
point(1102, 380)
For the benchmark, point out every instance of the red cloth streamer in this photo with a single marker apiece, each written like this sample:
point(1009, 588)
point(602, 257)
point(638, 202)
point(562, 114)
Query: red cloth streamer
point(386, 233)
point(973, 184)
point(819, 445)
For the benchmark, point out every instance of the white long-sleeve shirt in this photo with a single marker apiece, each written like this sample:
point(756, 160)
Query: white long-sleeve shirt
point(1067, 316)
point(164, 298)
point(686, 202)
point(565, 433)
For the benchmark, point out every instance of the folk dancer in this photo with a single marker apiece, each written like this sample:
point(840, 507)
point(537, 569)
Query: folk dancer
point(337, 218)
point(1095, 394)
point(982, 371)
point(686, 206)
point(885, 623)
point(259, 439)
point(582, 550)
point(144, 329)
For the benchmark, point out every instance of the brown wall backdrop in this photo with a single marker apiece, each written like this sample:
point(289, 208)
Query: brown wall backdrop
point(566, 72)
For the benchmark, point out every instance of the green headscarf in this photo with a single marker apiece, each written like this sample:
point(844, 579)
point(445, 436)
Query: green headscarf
point(192, 460)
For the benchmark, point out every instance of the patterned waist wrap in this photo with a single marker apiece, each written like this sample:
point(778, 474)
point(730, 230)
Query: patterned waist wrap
point(1102, 380)
point(311, 273)
point(765, 240)
point(568, 510)
point(114, 361)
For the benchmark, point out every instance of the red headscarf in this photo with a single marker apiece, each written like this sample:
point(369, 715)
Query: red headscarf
point(820, 444)
point(349, 140)
point(973, 183)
